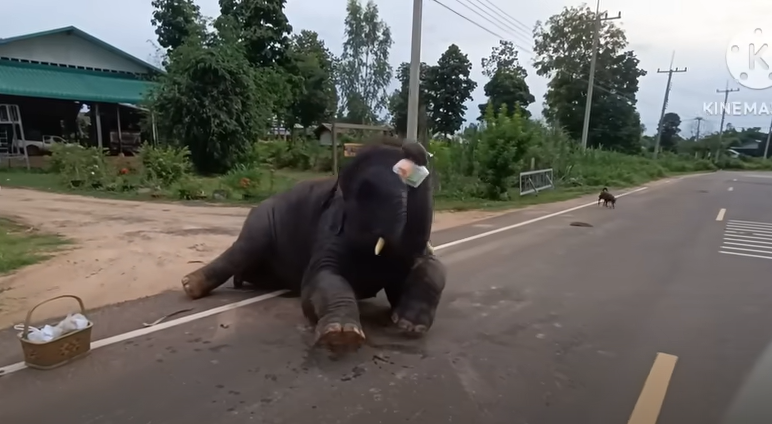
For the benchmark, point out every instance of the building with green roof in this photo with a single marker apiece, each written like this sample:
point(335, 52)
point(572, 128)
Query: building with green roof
point(55, 72)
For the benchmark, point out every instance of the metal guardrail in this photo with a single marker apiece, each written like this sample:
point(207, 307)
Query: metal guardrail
point(536, 181)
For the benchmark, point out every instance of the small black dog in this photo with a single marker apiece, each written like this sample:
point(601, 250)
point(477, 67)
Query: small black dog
point(607, 198)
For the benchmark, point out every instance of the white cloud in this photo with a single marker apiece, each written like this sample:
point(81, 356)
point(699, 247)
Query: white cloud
point(698, 32)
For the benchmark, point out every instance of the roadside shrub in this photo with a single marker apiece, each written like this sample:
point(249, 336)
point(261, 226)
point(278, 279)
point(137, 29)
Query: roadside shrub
point(244, 181)
point(502, 145)
point(190, 188)
point(163, 166)
point(82, 167)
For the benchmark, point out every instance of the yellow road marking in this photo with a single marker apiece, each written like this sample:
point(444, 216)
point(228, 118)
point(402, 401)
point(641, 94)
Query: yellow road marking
point(649, 403)
point(721, 214)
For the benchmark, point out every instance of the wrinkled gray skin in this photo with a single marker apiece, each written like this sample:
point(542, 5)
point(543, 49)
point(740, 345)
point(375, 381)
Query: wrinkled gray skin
point(319, 239)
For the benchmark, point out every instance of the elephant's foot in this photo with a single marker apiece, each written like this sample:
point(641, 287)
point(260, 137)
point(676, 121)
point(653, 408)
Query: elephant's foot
point(408, 327)
point(196, 285)
point(337, 337)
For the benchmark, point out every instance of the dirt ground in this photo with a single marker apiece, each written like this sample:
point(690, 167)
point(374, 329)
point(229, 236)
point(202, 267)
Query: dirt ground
point(125, 250)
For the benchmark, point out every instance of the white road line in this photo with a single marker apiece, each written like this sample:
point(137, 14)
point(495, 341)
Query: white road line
point(214, 311)
point(524, 223)
point(748, 227)
point(730, 189)
point(747, 237)
point(745, 254)
point(746, 241)
point(747, 245)
point(721, 214)
point(746, 234)
point(756, 226)
point(748, 224)
point(747, 250)
point(748, 230)
point(763, 224)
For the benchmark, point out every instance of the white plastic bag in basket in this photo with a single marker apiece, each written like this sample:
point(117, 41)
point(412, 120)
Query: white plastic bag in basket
point(43, 335)
point(73, 322)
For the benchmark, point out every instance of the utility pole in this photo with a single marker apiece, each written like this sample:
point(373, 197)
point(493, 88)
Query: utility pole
point(769, 136)
point(699, 123)
point(415, 72)
point(599, 19)
point(669, 73)
point(726, 92)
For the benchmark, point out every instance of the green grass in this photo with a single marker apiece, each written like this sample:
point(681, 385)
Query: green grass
point(517, 201)
point(38, 180)
point(20, 246)
point(283, 180)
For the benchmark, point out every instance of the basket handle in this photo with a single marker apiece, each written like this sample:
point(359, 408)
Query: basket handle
point(29, 314)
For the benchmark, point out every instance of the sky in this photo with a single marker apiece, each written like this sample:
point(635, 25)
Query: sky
point(696, 33)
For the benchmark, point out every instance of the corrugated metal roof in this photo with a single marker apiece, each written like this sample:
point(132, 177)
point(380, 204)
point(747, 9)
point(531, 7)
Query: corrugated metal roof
point(86, 36)
point(31, 80)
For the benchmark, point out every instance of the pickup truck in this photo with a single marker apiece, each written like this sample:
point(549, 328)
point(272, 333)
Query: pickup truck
point(37, 147)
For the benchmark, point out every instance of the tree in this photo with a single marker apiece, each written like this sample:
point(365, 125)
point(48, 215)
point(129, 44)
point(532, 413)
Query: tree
point(507, 84)
point(212, 101)
point(501, 148)
point(176, 21)
point(399, 98)
point(450, 87)
point(364, 72)
point(312, 62)
point(563, 47)
point(670, 129)
point(263, 29)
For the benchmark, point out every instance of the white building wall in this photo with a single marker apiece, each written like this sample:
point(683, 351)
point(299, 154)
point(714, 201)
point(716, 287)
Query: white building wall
point(69, 50)
point(325, 139)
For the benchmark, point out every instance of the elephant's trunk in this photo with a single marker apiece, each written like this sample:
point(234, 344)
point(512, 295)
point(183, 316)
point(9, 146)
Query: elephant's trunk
point(393, 221)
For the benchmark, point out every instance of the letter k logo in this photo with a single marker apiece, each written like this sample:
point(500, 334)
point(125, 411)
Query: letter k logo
point(755, 56)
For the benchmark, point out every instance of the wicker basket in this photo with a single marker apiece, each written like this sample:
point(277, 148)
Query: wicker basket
point(59, 351)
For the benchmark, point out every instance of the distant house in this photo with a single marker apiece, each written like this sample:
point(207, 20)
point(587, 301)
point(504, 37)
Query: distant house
point(49, 76)
point(752, 148)
point(323, 132)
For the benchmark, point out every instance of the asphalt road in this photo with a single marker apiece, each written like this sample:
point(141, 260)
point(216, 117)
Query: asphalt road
point(545, 323)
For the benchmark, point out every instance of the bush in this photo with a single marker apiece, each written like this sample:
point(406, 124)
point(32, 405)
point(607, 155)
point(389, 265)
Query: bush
point(189, 188)
point(302, 155)
point(164, 166)
point(502, 146)
point(82, 167)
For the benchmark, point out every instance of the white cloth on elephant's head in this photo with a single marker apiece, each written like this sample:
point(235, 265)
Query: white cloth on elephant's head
point(412, 174)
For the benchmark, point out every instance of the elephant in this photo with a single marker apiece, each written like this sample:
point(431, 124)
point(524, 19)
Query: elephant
point(340, 240)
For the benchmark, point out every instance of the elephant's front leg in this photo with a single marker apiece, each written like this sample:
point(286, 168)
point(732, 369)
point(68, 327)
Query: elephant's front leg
point(414, 301)
point(330, 303)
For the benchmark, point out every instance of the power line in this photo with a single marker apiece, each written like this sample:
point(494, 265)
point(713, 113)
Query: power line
point(480, 15)
point(511, 19)
point(512, 29)
point(524, 50)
